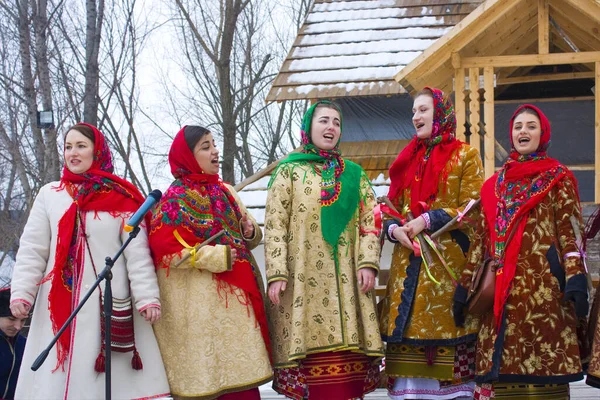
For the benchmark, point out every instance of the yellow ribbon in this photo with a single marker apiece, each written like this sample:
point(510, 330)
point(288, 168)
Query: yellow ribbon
point(453, 277)
point(187, 246)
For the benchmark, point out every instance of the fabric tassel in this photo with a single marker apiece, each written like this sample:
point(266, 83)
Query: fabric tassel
point(100, 365)
point(136, 361)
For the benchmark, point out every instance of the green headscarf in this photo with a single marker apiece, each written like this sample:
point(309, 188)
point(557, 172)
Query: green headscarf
point(340, 179)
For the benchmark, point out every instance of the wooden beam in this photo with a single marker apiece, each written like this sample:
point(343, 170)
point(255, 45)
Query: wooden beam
point(582, 167)
point(543, 30)
point(545, 100)
point(574, 167)
point(531, 59)
point(474, 109)
point(582, 31)
point(488, 112)
point(565, 76)
point(459, 103)
point(462, 34)
point(455, 60)
point(597, 136)
point(590, 8)
point(520, 21)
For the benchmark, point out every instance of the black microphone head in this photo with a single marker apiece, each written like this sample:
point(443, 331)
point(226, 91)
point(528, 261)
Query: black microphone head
point(156, 194)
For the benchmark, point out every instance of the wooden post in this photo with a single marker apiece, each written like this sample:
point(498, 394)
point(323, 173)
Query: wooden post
point(597, 141)
point(488, 110)
point(474, 108)
point(459, 100)
point(543, 30)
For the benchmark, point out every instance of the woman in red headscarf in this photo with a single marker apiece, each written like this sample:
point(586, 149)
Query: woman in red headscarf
point(528, 344)
point(435, 177)
point(213, 336)
point(73, 225)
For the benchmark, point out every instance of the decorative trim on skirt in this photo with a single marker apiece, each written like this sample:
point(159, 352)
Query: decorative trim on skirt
point(521, 391)
point(338, 375)
point(449, 365)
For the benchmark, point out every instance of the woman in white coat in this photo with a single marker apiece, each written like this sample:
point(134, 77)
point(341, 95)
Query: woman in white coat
point(73, 225)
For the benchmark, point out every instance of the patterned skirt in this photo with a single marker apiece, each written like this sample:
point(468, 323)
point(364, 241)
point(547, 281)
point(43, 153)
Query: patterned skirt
point(440, 372)
point(521, 391)
point(340, 375)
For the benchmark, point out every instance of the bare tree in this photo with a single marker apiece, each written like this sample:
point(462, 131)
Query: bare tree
point(48, 58)
point(93, 36)
point(231, 65)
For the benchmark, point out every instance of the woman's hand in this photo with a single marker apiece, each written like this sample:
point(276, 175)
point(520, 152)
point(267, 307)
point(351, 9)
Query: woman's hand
point(151, 314)
point(415, 227)
point(247, 227)
point(20, 309)
point(275, 288)
point(401, 234)
point(366, 279)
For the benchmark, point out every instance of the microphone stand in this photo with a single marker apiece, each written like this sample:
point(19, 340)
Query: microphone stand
point(106, 275)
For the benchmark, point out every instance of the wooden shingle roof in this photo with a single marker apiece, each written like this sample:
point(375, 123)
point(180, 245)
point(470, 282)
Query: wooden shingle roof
point(355, 47)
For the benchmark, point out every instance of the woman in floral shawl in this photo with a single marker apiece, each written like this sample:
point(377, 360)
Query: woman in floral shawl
point(213, 337)
point(435, 177)
point(322, 254)
point(73, 225)
point(528, 345)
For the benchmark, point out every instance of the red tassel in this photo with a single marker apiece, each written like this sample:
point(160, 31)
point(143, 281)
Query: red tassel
point(136, 361)
point(100, 363)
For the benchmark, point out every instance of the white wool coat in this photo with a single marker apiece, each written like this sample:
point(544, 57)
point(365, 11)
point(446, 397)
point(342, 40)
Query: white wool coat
point(133, 270)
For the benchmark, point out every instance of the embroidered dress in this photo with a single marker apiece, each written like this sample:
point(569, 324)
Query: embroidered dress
point(53, 245)
point(528, 343)
point(319, 231)
point(213, 335)
point(427, 356)
point(593, 371)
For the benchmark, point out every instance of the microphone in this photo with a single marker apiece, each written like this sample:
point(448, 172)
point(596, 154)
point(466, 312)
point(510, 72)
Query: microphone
point(136, 218)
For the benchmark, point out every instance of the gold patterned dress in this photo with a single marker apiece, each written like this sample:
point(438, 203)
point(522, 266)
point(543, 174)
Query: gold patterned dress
point(416, 319)
point(322, 311)
point(213, 335)
point(208, 342)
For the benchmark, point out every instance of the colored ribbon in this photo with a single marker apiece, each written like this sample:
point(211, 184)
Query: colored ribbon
point(187, 246)
point(466, 210)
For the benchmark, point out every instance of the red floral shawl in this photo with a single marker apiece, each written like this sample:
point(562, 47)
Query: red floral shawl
point(423, 163)
point(198, 205)
point(509, 195)
point(97, 189)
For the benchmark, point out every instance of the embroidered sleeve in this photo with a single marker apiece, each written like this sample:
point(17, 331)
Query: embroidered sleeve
point(388, 227)
point(215, 258)
point(277, 218)
point(437, 219)
point(566, 204)
point(34, 250)
point(369, 245)
point(477, 250)
point(471, 180)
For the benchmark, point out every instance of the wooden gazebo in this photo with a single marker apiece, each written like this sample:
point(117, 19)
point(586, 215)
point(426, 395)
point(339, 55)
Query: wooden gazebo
point(503, 43)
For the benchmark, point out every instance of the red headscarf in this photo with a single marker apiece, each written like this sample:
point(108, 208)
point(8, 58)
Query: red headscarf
point(510, 194)
point(423, 163)
point(198, 205)
point(97, 189)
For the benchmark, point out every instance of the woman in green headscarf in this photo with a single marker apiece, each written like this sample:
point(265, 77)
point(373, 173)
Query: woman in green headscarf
point(322, 255)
